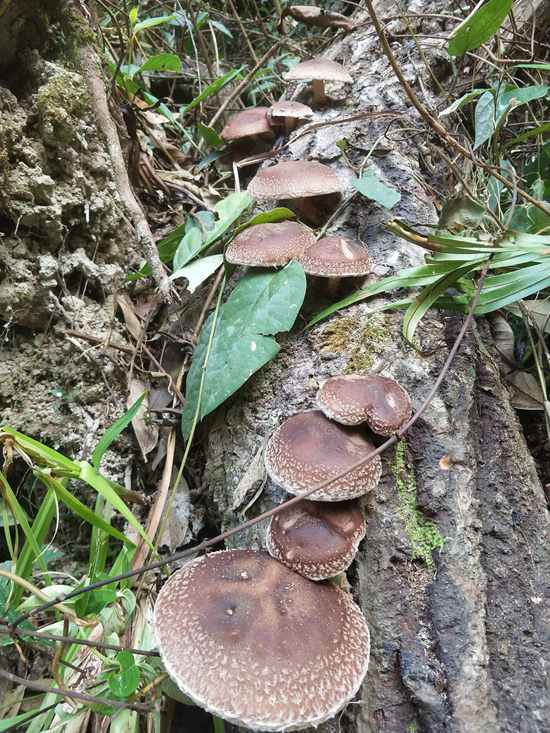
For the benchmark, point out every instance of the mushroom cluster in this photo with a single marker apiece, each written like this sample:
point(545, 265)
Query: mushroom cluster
point(264, 639)
point(319, 537)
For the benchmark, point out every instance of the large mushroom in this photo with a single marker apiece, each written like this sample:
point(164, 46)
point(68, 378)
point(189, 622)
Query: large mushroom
point(269, 245)
point(308, 448)
point(248, 130)
point(318, 70)
point(310, 188)
point(256, 644)
point(335, 257)
point(317, 539)
point(379, 401)
point(287, 113)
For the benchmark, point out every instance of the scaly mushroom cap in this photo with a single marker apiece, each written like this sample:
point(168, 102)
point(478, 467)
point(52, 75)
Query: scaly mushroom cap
point(249, 122)
point(269, 245)
point(308, 448)
point(336, 256)
point(294, 179)
point(355, 398)
point(316, 539)
point(286, 108)
point(318, 68)
point(253, 642)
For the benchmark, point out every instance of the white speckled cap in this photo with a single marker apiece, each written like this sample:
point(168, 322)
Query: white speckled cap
point(269, 245)
point(287, 108)
point(256, 644)
point(318, 68)
point(379, 401)
point(308, 448)
point(336, 256)
point(294, 179)
point(252, 121)
point(317, 539)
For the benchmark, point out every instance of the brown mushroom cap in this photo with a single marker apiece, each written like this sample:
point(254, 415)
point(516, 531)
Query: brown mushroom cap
point(269, 245)
point(336, 256)
point(287, 108)
point(308, 448)
point(317, 539)
point(253, 642)
point(318, 68)
point(294, 179)
point(355, 398)
point(249, 122)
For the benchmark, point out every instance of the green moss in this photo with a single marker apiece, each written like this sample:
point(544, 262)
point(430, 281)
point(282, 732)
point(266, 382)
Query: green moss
point(423, 534)
point(339, 334)
point(362, 341)
point(60, 104)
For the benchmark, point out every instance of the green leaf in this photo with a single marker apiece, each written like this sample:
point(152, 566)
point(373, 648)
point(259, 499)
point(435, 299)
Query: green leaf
point(221, 27)
point(152, 22)
point(484, 117)
point(114, 431)
point(197, 272)
point(482, 23)
point(261, 305)
point(78, 508)
point(126, 681)
point(102, 486)
point(40, 452)
point(458, 103)
point(213, 88)
point(40, 528)
point(209, 135)
point(281, 213)
point(15, 723)
point(541, 67)
point(162, 62)
point(133, 15)
point(189, 246)
point(371, 187)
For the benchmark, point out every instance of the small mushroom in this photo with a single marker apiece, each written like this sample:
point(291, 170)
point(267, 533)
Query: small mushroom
point(318, 70)
point(308, 449)
point(247, 129)
point(256, 644)
point(269, 245)
point(288, 114)
point(379, 401)
point(335, 257)
point(317, 539)
point(311, 188)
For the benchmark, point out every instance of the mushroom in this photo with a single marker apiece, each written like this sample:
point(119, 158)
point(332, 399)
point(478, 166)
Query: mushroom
point(336, 257)
point(379, 401)
point(256, 644)
point(308, 449)
point(269, 245)
point(288, 113)
point(317, 539)
point(249, 127)
point(312, 187)
point(317, 71)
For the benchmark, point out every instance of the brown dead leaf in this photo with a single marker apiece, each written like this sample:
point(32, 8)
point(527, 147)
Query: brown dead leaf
point(147, 433)
point(133, 323)
point(526, 391)
point(314, 16)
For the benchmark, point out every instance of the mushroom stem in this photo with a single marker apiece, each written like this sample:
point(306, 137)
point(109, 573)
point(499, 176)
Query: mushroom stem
point(333, 287)
point(290, 124)
point(319, 96)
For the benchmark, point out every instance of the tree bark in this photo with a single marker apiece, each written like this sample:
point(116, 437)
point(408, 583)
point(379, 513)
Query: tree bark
point(460, 645)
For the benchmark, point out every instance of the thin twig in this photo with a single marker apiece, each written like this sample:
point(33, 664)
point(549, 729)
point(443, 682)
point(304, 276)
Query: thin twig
point(275, 510)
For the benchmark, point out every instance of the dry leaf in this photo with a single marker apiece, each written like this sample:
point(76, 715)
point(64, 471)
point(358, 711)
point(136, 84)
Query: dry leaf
point(539, 311)
point(147, 434)
point(503, 337)
point(313, 16)
point(133, 323)
point(526, 391)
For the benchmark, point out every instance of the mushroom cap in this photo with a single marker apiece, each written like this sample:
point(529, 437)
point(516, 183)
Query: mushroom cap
point(288, 108)
point(317, 539)
point(318, 68)
point(269, 245)
point(294, 179)
point(336, 256)
point(251, 121)
point(355, 398)
point(308, 448)
point(259, 645)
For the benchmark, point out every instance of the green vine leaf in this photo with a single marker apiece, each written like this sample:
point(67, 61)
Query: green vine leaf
point(261, 305)
point(373, 188)
point(125, 681)
point(482, 23)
